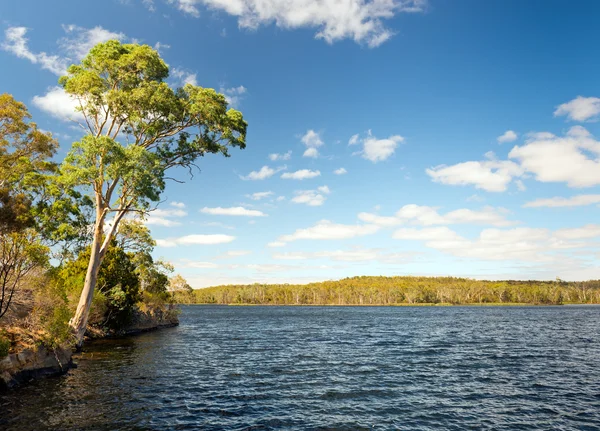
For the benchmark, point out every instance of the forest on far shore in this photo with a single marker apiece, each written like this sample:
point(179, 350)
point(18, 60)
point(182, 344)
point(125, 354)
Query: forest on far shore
point(369, 290)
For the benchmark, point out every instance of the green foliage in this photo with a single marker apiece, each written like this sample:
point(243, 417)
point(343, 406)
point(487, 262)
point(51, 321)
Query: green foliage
point(21, 252)
point(25, 153)
point(402, 290)
point(122, 93)
point(4, 344)
point(118, 284)
point(57, 326)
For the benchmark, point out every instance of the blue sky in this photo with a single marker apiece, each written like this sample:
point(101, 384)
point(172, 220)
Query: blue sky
point(393, 137)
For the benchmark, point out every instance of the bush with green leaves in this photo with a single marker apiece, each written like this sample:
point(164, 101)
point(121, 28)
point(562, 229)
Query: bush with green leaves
point(118, 285)
point(4, 345)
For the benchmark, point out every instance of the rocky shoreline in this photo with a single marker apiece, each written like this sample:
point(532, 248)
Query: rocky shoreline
point(35, 363)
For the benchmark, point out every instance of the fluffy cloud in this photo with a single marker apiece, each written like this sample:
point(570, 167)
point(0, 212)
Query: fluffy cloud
point(488, 175)
point(340, 171)
point(177, 204)
point(580, 109)
point(311, 198)
point(283, 156)
point(359, 20)
point(508, 136)
point(429, 216)
point(376, 150)
point(73, 47)
point(183, 77)
point(16, 43)
point(234, 95)
point(259, 195)
point(325, 230)
point(233, 211)
point(80, 40)
point(276, 244)
point(195, 240)
point(312, 140)
point(164, 217)
point(585, 232)
point(379, 220)
point(311, 152)
point(573, 159)
point(353, 255)
point(264, 173)
point(522, 244)
point(58, 104)
point(574, 201)
point(302, 174)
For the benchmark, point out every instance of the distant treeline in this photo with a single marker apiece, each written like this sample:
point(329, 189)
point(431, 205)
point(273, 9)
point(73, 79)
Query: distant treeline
point(400, 290)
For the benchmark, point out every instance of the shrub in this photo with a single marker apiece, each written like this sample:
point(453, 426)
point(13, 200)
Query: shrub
point(4, 345)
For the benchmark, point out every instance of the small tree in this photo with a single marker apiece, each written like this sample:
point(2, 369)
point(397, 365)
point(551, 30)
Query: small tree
point(24, 163)
point(137, 128)
point(179, 284)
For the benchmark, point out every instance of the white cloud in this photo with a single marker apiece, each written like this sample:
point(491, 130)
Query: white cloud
point(377, 150)
point(259, 195)
point(508, 136)
point(585, 232)
point(217, 224)
point(74, 46)
point(58, 104)
point(16, 43)
point(311, 198)
point(163, 217)
point(264, 173)
point(160, 47)
point(186, 263)
point(312, 140)
point(580, 109)
point(195, 240)
point(311, 152)
point(302, 174)
point(233, 211)
point(355, 255)
point(429, 216)
point(276, 244)
point(488, 175)
point(574, 201)
point(522, 244)
point(573, 159)
point(177, 204)
point(379, 220)
point(81, 40)
point(283, 156)
point(234, 95)
point(325, 230)
point(149, 4)
point(340, 171)
point(442, 233)
point(237, 253)
point(183, 77)
point(359, 20)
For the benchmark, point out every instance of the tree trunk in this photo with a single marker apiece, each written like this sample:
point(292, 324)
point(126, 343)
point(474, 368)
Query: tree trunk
point(79, 321)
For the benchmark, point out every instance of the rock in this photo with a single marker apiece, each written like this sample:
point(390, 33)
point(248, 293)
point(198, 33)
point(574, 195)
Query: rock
point(30, 364)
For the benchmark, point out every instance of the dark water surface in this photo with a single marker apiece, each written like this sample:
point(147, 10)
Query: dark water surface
point(332, 368)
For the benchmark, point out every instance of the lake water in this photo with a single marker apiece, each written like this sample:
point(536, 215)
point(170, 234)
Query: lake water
point(332, 368)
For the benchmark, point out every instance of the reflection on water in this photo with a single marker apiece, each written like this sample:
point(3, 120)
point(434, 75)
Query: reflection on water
point(332, 368)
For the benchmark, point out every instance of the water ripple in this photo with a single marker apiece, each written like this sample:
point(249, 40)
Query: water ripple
point(332, 368)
